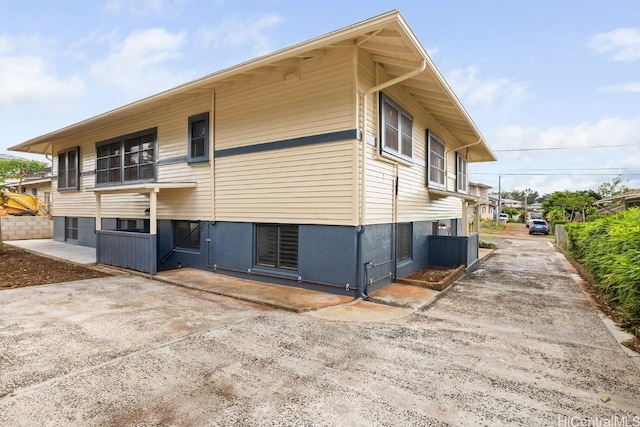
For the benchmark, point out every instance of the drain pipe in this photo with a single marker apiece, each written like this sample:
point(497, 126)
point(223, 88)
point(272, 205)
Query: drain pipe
point(463, 147)
point(363, 289)
point(365, 99)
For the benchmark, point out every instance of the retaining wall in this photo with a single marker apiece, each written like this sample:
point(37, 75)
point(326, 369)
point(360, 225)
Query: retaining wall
point(26, 227)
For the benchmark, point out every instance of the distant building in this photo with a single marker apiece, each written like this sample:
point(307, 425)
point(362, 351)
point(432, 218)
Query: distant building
point(486, 207)
point(618, 203)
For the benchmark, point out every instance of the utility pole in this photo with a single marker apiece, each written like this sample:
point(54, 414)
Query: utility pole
point(499, 200)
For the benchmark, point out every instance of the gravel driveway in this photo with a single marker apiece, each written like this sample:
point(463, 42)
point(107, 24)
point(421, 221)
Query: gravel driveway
point(514, 342)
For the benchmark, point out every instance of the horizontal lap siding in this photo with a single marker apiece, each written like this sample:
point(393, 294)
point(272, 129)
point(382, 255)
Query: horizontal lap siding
point(310, 184)
point(414, 202)
point(268, 108)
point(172, 134)
point(305, 185)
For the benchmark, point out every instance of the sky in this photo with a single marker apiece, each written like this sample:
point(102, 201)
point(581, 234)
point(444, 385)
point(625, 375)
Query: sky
point(553, 85)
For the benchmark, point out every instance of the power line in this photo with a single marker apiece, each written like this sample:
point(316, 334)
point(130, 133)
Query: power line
point(563, 148)
point(553, 174)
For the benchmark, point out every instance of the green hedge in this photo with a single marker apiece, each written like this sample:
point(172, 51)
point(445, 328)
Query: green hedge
point(609, 248)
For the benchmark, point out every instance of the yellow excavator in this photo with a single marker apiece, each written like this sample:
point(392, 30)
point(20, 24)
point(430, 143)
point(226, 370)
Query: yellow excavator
point(22, 204)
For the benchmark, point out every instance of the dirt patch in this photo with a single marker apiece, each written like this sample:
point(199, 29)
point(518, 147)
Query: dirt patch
point(430, 274)
point(20, 268)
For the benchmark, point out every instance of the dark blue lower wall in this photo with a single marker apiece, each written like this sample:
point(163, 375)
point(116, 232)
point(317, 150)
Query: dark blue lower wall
point(337, 259)
point(86, 231)
point(169, 259)
point(326, 256)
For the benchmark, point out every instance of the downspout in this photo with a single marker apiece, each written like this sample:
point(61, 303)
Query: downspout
point(364, 288)
point(463, 147)
point(368, 92)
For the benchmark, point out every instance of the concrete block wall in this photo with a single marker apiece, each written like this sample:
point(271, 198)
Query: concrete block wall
point(26, 227)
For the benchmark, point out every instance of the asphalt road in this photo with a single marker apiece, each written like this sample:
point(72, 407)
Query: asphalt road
point(516, 342)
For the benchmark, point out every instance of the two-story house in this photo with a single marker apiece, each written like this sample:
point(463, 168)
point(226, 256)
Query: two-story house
point(329, 164)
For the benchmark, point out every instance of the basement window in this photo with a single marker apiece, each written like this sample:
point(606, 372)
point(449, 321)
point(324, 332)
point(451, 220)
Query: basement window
point(277, 246)
point(405, 234)
point(186, 234)
point(71, 229)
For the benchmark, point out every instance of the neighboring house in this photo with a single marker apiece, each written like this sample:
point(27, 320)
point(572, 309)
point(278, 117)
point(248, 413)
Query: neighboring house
point(333, 164)
point(509, 203)
point(37, 183)
point(535, 207)
point(618, 203)
point(485, 208)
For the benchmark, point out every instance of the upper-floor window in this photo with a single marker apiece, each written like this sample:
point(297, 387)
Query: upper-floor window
point(127, 158)
point(199, 138)
point(436, 165)
point(69, 169)
point(462, 174)
point(396, 129)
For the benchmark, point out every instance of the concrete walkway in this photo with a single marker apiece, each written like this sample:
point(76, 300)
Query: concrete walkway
point(60, 250)
point(393, 302)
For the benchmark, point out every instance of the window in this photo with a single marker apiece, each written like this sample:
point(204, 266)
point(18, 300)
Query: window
point(186, 234)
point(277, 246)
point(461, 175)
point(436, 165)
point(126, 159)
point(34, 191)
point(403, 250)
point(47, 197)
point(199, 138)
point(396, 129)
point(68, 169)
point(70, 228)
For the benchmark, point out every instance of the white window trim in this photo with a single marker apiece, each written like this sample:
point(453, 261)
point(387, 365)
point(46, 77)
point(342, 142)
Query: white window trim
point(430, 183)
point(462, 174)
point(386, 102)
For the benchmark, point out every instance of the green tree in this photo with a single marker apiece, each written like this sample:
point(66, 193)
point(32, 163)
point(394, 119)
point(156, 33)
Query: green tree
point(568, 205)
point(611, 188)
point(16, 168)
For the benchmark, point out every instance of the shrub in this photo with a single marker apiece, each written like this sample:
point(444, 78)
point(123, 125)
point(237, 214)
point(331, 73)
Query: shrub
point(609, 248)
point(487, 245)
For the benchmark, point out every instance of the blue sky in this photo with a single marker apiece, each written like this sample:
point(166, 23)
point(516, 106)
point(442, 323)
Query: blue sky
point(563, 76)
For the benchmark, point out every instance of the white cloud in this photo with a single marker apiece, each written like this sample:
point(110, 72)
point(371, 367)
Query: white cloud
point(248, 32)
point(502, 92)
point(623, 44)
point(27, 80)
point(627, 87)
point(136, 7)
point(139, 64)
point(607, 131)
point(623, 159)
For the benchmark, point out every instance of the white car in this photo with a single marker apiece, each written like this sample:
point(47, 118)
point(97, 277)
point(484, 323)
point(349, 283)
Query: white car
point(504, 217)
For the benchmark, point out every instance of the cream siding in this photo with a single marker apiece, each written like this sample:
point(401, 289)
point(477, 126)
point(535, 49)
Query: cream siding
point(304, 185)
point(413, 202)
point(172, 134)
point(310, 184)
point(269, 108)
